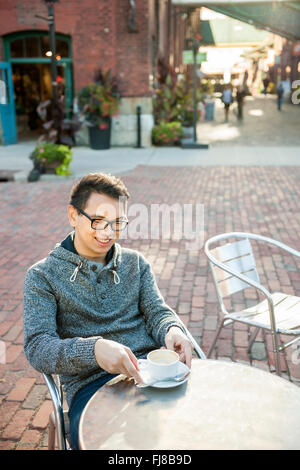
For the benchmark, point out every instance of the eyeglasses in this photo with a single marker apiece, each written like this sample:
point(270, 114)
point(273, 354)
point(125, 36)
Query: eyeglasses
point(101, 224)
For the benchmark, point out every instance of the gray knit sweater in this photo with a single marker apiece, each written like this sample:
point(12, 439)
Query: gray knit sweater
point(69, 303)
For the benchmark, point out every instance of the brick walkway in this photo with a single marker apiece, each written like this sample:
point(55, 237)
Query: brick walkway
point(262, 124)
point(33, 216)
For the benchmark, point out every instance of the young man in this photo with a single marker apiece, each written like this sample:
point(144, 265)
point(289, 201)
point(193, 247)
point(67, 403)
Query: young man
point(92, 307)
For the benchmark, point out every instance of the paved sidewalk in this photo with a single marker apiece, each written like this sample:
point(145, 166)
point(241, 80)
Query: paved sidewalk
point(266, 137)
point(264, 200)
point(263, 125)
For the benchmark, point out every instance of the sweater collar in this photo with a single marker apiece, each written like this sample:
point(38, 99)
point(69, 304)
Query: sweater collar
point(66, 250)
point(68, 244)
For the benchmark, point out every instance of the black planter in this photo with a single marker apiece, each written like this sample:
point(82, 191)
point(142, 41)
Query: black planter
point(100, 138)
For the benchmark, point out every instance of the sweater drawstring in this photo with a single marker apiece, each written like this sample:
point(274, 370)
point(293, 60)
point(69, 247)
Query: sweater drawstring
point(116, 276)
point(73, 277)
point(75, 272)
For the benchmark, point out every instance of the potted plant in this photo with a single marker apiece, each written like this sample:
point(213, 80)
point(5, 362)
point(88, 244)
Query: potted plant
point(173, 102)
point(167, 133)
point(52, 158)
point(57, 128)
point(52, 153)
point(99, 102)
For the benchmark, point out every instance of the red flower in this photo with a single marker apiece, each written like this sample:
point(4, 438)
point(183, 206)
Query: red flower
point(103, 126)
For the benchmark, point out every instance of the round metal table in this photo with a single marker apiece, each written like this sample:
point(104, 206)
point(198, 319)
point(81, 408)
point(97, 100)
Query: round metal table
point(224, 405)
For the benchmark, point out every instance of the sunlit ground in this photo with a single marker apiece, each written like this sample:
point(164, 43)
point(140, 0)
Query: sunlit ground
point(262, 124)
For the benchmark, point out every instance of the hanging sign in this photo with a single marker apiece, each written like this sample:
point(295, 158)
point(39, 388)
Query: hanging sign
point(188, 57)
point(296, 48)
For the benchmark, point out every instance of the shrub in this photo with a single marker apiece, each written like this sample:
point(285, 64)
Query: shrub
point(173, 102)
point(47, 153)
point(167, 133)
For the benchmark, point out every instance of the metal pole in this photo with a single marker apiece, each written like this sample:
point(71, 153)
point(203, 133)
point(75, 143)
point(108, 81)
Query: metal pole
point(53, 50)
point(195, 50)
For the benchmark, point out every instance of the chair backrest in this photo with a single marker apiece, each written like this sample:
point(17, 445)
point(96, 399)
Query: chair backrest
point(239, 257)
point(55, 391)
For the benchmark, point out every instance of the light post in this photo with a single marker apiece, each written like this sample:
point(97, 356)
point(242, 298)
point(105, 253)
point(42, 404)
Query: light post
point(52, 38)
point(194, 44)
point(51, 23)
point(195, 52)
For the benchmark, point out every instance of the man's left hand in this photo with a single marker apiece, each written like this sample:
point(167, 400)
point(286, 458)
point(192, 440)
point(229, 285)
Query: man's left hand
point(176, 340)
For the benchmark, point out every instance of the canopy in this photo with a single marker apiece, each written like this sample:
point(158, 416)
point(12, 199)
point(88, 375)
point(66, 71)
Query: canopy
point(231, 32)
point(281, 17)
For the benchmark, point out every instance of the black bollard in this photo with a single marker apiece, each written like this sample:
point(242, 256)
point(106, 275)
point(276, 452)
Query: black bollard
point(139, 127)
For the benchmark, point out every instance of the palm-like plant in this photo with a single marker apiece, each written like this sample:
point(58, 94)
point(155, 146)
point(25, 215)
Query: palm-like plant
point(99, 101)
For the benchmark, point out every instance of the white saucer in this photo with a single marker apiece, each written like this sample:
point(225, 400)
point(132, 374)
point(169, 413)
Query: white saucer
point(143, 365)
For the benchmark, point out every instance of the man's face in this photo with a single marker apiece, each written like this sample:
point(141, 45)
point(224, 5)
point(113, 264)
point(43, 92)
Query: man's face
point(90, 243)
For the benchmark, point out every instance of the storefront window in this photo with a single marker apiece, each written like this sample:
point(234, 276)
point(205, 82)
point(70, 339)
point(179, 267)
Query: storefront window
point(32, 47)
point(17, 48)
point(37, 47)
point(62, 48)
point(29, 53)
point(45, 45)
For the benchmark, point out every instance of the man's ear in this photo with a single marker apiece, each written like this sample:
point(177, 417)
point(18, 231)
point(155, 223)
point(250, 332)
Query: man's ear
point(72, 214)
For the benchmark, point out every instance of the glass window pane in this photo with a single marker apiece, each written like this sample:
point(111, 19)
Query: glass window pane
point(5, 97)
point(45, 45)
point(32, 47)
point(17, 48)
point(62, 48)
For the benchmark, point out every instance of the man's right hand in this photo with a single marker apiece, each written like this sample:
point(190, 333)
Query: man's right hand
point(116, 358)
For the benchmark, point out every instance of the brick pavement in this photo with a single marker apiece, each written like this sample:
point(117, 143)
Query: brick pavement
point(262, 200)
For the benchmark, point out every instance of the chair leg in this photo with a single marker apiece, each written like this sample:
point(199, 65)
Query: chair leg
point(286, 361)
point(253, 338)
point(215, 338)
point(51, 435)
point(276, 353)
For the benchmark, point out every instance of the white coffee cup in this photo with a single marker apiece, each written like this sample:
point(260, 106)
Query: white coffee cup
point(163, 363)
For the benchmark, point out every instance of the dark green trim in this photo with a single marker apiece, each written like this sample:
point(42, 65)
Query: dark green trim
point(8, 38)
point(40, 60)
point(67, 61)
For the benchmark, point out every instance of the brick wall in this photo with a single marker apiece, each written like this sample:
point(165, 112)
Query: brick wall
point(100, 37)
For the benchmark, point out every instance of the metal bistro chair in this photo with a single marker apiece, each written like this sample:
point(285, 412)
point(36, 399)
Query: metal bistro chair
point(233, 268)
point(59, 420)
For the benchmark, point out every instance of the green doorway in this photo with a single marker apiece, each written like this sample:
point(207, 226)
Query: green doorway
point(30, 58)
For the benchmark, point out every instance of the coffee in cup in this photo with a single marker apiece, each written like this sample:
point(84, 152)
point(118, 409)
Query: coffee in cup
point(163, 363)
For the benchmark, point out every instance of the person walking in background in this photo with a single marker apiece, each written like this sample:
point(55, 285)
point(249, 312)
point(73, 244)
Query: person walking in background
point(266, 82)
point(240, 94)
point(279, 96)
point(227, 100)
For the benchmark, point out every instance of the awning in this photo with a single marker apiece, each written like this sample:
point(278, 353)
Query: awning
point(280, 17)
point(230, 32)
point(258, 52)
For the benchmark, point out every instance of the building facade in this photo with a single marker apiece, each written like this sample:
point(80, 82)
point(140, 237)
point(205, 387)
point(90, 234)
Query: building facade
point(126, 36)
